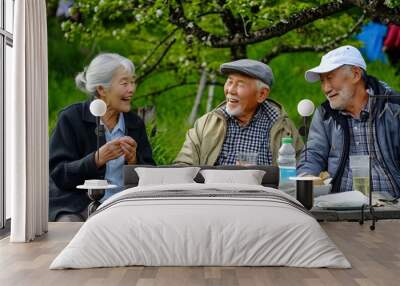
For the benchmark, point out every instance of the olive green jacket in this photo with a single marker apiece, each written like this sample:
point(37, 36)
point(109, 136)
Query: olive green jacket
point(204, 141)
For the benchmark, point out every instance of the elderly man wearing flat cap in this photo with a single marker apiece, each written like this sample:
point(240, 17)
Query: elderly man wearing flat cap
point(339, 128)
point(246, 122)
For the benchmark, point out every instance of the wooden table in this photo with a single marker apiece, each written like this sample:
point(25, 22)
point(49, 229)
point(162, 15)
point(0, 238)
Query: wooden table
point(390, 211)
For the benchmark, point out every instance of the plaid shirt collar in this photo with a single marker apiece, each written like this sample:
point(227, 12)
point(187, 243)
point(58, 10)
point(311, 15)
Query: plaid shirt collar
point(263, 109)
point(254, 137)
point(366, 107)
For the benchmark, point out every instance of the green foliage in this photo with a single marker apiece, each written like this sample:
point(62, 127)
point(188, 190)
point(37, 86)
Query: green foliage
point(392, 3)
point(165, 55)
point(143, 24)
point(174, 106)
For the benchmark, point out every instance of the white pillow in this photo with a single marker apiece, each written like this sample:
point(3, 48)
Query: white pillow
point(248, 177)
point(166, 176)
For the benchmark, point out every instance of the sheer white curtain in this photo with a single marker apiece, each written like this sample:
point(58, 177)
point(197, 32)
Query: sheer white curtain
point(27, 124)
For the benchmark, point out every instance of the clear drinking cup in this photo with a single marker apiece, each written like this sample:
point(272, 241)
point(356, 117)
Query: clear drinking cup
point(359, 165)
point(247, 158)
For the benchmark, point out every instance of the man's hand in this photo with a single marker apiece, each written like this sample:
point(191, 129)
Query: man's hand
point(109, 151)
point(129, 146)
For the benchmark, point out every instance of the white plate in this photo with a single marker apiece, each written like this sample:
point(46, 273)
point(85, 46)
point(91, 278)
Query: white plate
point(304, 178)
point(96, 187)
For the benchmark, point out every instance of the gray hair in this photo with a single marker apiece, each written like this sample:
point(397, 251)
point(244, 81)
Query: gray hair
point(261, 84)
point(101, 71)
point(363, 72)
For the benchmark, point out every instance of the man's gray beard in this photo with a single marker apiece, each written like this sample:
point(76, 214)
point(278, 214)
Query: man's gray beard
point(340, 108)
point(236, 112)
point(346, 95)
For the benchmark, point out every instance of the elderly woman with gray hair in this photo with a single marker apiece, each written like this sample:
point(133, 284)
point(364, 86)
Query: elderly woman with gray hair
point(73, 153)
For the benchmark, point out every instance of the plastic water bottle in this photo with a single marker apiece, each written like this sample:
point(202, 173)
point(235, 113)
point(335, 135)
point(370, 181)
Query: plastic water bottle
point(287, 166)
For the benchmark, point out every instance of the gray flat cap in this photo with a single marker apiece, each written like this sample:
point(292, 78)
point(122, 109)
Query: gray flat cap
point(250, 68)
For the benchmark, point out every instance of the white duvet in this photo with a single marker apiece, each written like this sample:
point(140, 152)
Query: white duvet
point(185, 230)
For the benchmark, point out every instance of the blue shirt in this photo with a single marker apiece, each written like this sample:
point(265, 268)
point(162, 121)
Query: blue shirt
point(254, 137)
point(114, 167)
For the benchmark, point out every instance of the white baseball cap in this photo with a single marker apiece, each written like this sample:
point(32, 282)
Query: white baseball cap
point(346, 55)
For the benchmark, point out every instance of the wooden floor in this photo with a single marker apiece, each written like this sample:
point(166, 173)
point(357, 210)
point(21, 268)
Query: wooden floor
point(375, 256)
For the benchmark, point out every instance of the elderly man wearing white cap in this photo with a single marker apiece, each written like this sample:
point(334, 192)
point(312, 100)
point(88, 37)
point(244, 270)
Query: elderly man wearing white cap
point(339, 128)
point(247, 122)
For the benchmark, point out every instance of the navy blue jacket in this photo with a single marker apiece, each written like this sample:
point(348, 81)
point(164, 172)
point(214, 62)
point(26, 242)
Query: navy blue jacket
point(328, 144)
point(73, 146)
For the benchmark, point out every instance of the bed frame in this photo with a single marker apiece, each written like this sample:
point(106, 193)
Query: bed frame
point(270, 179)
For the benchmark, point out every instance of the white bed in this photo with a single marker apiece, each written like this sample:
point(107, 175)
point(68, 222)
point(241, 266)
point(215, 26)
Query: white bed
point(203, 225)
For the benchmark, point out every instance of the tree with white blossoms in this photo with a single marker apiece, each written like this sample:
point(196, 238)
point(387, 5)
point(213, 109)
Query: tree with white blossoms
point(175, 45)
point(181, 36)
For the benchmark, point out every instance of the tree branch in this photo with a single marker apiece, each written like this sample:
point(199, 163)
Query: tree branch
point(157, 92)
point(378, 10)
point(156, 48)
point(153, 67)
point(173, 86)
point(373, 9)
point(308, 48)
point(208, 13)
point(177, 17)
point(286, 25)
